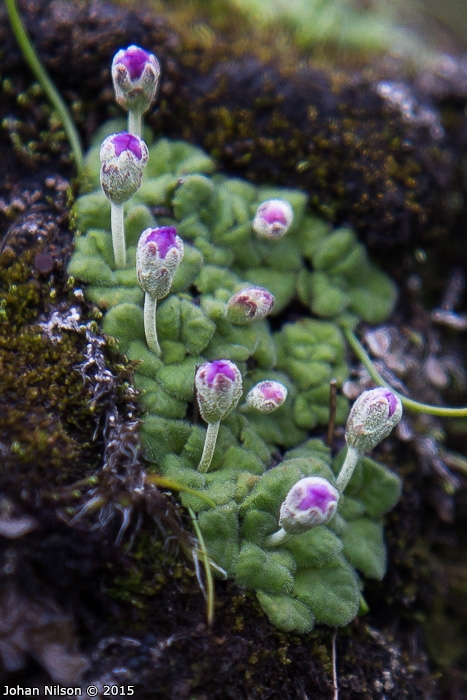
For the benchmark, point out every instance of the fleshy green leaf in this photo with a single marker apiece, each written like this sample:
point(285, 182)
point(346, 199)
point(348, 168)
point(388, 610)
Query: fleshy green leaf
point(221, 535)
point(315, 548)
point(263, 570)
point(331, 592)
point(364, 547)
point(286, 613)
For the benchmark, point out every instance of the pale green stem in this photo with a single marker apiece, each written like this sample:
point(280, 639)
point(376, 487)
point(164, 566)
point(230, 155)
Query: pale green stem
point(118, 234)
point(207, 569)
point(37, 67)
point(411, 405)
point(209, 446)
point(350, 462)
point(135, 122)
point(150, 328)
point(278, 538)
point(174, 485)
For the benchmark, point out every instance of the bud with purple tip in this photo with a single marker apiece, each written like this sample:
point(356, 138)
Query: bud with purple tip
point(219, 387)
point(158, 255)
point(267, 396)
point(312, 501)
point(372, 417)
point(123, 157)
point(273, 218)
point(135, 75)
point(249, 304)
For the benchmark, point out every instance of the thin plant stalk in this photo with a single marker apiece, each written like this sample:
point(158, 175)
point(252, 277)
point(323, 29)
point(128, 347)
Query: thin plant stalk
point(39, 71)
point(150, 328)
point(118, 234)
point(135, 122)
point(416, 406)
point(209, 446)
point(207, 568)
point(175, 485)
point(350, 462)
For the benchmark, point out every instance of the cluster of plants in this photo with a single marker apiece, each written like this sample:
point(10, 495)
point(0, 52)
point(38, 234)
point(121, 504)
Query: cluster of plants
point(232, 298)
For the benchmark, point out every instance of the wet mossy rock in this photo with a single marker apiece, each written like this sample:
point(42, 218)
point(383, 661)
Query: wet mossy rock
point(343, 138)
point(314, 578)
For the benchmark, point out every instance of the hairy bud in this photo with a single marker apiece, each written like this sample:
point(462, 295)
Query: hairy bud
point(123, 157)
point(249, 304)
point(135, 75)
point(158, 255)
point(273, 218)
point(310, 502)
point(266, 396)
point(219, 387)
point(374, 414)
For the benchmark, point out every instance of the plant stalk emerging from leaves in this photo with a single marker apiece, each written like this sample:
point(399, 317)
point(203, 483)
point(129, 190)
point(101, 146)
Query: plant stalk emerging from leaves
point(219, 388)
point(374, 414)
point(158, 255)
point(123, 157)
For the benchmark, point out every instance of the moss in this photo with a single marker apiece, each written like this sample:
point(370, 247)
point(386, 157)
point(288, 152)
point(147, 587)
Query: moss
point(48, 411)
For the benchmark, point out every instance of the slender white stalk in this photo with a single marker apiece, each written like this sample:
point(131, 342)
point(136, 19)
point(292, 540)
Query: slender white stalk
point(118, 234)
point(134, 122)
point(278, 538)
point(209, 446)
point(350, 462)
point(150, 329)
point(335, 684)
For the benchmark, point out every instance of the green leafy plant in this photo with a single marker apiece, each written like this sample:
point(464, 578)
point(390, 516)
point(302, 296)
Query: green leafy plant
point(238, 264)
point(313, 576)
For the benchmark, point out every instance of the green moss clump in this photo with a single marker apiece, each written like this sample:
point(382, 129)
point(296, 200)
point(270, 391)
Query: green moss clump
point(48, 411)
point(313, 578)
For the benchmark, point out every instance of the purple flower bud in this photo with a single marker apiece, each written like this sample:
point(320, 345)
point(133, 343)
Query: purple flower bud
point(273, 218)
point(219, 388)
point(310, 502)
point(267, 396)
point(158, 255)
point(373, 416)
point(249, 304)
point(123, 157)
point(135, 75)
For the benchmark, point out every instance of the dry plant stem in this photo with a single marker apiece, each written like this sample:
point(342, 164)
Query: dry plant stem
point(209, 446)
point(118, 234)
point(350, 462)
point(150, 329)
point(135, 122)
point(207, 569)
point(278, 538)
point(335, 684)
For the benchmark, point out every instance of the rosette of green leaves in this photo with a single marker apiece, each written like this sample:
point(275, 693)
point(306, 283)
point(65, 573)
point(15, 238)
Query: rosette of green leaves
point(303, 581)
point(315, 576)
